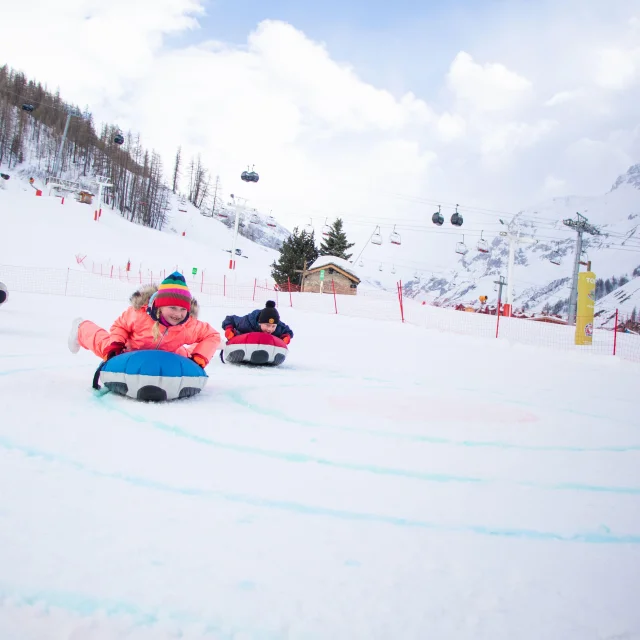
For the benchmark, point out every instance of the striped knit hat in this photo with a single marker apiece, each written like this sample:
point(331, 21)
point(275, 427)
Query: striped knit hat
point(173, 292)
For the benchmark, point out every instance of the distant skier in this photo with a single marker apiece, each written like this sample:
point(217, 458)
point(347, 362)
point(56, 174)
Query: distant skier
point(267, 320)
point(160, 317)
point(4, 293)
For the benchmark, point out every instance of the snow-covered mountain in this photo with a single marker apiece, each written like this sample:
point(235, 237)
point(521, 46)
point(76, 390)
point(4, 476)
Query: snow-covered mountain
point(539, 281)
point(262, 229)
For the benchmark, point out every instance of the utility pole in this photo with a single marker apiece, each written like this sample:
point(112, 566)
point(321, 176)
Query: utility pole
point(580, 226)
point(500, 282)
point(57, 167)
point(103, 183)
point(514, 239)
point(237, 207)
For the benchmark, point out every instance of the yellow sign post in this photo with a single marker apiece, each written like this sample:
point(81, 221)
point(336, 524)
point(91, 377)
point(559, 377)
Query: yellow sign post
point(586, 305)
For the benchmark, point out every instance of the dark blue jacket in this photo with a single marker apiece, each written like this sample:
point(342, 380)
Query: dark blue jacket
point(249, 323)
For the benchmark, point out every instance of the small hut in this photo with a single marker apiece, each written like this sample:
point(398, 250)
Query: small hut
point(327, 270)
point(85, 197)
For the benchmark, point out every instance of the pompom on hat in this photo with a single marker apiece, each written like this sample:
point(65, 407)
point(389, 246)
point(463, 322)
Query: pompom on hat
point(269, 315)
point(173, 292)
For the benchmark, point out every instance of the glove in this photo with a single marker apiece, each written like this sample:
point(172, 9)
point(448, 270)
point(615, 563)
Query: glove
point(200, 360)
point(286, 338)
point(114, 349)
point(229, 333)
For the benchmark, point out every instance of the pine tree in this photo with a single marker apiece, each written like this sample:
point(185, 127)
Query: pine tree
point(336, 244)
point(298, 251)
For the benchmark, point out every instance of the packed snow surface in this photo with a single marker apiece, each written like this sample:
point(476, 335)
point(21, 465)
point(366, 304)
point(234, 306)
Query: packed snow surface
point(386, 481)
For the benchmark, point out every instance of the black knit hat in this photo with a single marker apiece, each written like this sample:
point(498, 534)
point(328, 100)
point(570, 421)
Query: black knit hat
point(269, 315)
point(3, 296)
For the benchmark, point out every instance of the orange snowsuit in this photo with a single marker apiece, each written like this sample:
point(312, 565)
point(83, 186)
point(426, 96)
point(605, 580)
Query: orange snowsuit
point(134, 329)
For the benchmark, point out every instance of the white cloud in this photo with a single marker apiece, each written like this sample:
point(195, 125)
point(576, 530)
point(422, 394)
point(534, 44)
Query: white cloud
point(451, 126)
point(562, 97)
point(617, 68)
point(554, 186)
point(323, 139)
point(488, 87)
point(508, 138)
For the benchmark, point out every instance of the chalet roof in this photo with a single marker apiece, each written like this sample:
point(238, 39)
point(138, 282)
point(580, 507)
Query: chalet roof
point(339, 264)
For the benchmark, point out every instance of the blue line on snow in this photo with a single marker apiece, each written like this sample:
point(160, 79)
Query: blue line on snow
point(592, 537)
point(349, 466)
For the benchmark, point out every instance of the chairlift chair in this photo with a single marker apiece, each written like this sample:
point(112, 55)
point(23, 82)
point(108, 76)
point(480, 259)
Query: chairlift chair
point(461, 247)
point(28, 107)
point(361, 263)
point(380, 267)
point(394, 238)
point(437, 217)
point(393, 268)
point(483, 245)
point(118, 138)
point(555, 257)
point(376, 238)
point(254, 218)
point(326, 229)
point(271, 221)
point(309, 227)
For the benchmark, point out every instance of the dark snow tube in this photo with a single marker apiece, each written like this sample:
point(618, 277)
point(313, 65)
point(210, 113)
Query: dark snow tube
point(4, 293)
point(255, 348)
point(153, 375)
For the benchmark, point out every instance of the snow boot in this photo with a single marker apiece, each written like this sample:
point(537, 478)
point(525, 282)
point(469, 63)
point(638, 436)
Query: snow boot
point(74, 345)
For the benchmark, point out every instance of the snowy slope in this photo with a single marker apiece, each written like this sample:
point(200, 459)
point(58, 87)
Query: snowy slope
point(113, 240)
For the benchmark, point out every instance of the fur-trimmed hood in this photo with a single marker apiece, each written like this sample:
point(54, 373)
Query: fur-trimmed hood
point(141, 297)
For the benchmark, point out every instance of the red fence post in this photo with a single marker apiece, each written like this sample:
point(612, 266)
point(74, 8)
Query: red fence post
point(290, 298)
point(498, 319)
point(255, 282)
point(335, 302)
point(202, 282)
point(400, 302)
point(615, 334)
point(111, 276)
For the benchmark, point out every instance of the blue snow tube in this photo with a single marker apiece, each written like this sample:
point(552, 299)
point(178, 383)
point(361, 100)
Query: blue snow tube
point(153, 375)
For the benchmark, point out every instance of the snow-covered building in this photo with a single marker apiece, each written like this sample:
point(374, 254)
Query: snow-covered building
point(329, 273)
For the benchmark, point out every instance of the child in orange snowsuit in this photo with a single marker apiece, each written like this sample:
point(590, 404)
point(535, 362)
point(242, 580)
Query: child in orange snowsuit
point(163, 317)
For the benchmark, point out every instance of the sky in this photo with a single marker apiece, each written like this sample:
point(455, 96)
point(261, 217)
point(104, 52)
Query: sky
point(368, 110)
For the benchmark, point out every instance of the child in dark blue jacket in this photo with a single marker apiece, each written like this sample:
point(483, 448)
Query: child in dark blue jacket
point(267, 320)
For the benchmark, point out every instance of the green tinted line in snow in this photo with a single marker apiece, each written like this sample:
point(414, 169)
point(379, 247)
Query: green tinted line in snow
point(602, 535)
point(366, 468)
point(238, 398)
point(297, 457)
point(86, 605)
